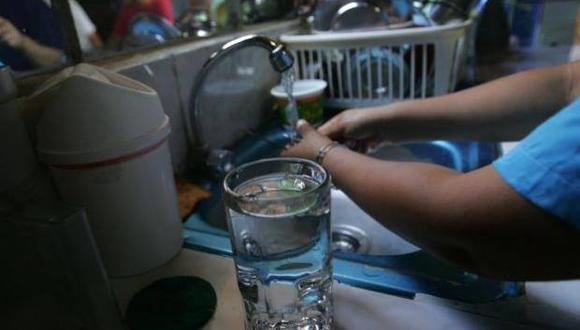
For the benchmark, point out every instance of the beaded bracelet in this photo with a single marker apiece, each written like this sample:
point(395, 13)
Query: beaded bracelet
point(324, 150)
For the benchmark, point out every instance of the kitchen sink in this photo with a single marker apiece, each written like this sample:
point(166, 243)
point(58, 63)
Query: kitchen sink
point(461, 156)
point(366, 254)
point(354, 231)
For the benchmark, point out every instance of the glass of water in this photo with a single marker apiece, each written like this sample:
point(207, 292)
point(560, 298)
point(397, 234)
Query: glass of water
point(279, 222)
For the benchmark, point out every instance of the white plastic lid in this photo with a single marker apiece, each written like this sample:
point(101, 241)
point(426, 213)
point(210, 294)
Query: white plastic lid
point(302, 89)
point(92, 115)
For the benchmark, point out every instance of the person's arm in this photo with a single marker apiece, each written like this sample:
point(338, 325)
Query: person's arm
point(84, 25)
point(504, 109)
point(473, 220)
point(96, 40)
point(40, 55)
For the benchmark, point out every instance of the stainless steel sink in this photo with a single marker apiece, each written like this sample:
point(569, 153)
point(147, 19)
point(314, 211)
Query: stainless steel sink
point(366, 254)
point(354, 231)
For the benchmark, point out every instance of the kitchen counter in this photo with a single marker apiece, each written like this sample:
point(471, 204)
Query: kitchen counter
point(553, 305)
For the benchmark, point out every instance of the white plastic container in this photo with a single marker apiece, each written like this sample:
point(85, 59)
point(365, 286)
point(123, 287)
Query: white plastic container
point(104, 137)
point(302, 89)
point(369, 68)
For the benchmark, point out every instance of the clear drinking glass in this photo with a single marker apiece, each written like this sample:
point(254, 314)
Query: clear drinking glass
point(279, 222)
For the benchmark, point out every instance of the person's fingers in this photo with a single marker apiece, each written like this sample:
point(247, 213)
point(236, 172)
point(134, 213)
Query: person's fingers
point(301, 150)
point(303, 127)
point(288, 151)
point(347, 125)
point(310, 144)
point(332, 128)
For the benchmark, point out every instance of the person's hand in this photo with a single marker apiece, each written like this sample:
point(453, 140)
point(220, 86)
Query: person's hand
point(10, 34)
point(358, 129)
point(363, 125)
point(310, 144)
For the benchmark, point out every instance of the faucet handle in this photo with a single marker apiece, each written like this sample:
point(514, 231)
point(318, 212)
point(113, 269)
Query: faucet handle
point(220, 161)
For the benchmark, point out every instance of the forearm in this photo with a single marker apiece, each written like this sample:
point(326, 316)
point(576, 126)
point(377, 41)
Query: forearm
point(505, 109)
point(473, 221)
point(40, 55)
point(96, 40)
point(400, 195)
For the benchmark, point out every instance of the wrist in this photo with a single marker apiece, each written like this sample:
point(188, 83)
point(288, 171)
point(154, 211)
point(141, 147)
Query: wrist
point(333, 155)
point(324, 150)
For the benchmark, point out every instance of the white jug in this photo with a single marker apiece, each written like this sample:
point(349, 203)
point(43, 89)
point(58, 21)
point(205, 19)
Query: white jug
point(104, 137)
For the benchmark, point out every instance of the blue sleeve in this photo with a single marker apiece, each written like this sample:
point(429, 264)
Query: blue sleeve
point(545, 167)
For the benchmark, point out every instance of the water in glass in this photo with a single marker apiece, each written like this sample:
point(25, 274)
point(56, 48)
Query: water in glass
point(282, 252)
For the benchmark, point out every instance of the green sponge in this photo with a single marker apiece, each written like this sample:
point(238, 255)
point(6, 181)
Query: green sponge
point(176, 303)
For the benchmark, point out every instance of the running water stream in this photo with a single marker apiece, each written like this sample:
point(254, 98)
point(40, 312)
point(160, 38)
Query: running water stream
point(291, 109)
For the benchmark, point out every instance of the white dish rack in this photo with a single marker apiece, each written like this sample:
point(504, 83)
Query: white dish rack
point(382, 66)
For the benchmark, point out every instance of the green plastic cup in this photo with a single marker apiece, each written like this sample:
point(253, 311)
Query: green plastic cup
point(309, 95)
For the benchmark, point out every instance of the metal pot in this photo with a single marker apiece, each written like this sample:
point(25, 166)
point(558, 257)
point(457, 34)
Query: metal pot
point(196, 22)
point(446, 11)
point(262, 10)
point(342, 15)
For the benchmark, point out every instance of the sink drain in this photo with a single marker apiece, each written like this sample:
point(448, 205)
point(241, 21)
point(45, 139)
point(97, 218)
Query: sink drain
point(349, 239)
point(344, 243)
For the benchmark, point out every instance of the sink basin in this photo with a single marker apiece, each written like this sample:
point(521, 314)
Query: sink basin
point(369, 256)
point(362, 238)
point(354, 231)
point(366, 254)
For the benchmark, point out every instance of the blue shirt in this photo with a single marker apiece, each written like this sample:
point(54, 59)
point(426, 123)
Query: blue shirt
point(545, 167)
point(36, 20)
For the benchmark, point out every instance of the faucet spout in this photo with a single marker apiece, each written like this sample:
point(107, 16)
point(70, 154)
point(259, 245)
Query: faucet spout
point(280, 57)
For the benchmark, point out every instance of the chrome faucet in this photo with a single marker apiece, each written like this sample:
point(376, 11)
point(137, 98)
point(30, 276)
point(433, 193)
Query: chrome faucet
point(280, 59)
